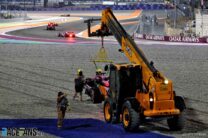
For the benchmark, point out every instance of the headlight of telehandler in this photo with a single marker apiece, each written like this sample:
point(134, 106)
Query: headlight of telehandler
point(166, 81)
point(151, 100)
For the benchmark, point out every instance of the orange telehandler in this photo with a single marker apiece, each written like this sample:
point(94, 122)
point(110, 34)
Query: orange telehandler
point(137, 90)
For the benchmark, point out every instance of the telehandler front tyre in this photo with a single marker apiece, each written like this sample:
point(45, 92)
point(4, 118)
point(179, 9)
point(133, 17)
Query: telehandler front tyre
point(130, 118)
point(176, 123)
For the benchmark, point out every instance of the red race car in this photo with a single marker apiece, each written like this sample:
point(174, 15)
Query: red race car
point(67, 34)
point(51, 26)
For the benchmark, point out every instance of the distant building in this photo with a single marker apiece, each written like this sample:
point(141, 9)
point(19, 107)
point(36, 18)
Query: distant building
point(20, 4)
point(202, 23)
point(16, 4)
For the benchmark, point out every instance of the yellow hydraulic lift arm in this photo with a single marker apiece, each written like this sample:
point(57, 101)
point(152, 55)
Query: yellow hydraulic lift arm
point(151, 77)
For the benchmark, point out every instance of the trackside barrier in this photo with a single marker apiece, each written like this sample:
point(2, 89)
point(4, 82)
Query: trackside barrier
point(172, 38)
point(133, 7)
point(113, 7)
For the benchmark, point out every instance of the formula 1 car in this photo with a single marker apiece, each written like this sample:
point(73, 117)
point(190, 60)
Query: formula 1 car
point(92, 90)
point(65, 15)
point(51, 26)
point(67, 34)
point(97, 89)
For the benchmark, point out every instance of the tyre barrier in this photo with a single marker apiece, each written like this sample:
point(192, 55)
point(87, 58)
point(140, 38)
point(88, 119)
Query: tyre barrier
point(113, 7)
point(184, 39)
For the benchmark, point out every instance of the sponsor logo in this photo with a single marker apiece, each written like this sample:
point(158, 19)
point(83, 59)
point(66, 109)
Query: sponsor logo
point(190, 39)
point(175, 38)
point(154, 37)
point(184, 39)
point(28, 132)
point(4, 132)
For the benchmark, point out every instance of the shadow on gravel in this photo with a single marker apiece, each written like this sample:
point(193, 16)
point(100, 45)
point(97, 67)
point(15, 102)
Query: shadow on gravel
point(77, 128)
point(195, 117)
point(192, 125)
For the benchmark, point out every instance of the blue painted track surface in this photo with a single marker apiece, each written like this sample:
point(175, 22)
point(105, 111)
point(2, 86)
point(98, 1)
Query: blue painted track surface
point(77, 128)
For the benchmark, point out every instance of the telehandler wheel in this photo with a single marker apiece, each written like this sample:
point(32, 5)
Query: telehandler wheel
point(176, 123)
point(180, 103)
point(130, 118)
point(108, 110)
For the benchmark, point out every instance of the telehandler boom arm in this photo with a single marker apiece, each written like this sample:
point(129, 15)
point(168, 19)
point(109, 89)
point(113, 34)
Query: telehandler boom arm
point(109, 26)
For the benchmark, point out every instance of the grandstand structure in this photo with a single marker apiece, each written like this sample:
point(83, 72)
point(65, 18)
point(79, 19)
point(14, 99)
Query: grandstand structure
point(202, 23)
point(19, 4)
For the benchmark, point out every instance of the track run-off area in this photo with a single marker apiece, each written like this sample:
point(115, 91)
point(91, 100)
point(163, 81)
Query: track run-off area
point(35, 64)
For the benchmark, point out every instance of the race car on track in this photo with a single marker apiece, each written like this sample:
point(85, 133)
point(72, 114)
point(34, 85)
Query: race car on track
point(51, 26)
point(65, 15)
point(67, 34)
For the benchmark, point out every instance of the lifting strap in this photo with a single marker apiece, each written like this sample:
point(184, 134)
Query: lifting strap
point(102, 55)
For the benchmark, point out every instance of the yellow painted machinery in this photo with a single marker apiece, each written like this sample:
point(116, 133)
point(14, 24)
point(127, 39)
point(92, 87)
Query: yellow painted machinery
point(137, 89)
